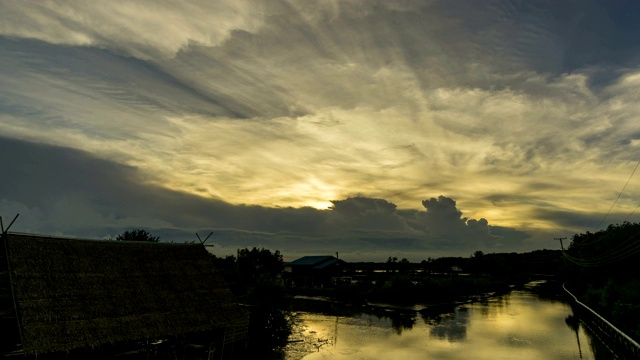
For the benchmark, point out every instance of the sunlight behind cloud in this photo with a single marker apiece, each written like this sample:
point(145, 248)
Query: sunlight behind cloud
point(291, 104)
point(477, 142)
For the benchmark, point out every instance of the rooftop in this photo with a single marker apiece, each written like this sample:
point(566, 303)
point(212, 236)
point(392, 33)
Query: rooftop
point(312, 260)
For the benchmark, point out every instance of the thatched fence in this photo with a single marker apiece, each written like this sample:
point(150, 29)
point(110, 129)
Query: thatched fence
point(77, 294)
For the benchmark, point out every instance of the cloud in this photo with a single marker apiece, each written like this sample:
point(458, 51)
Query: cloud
point(30, 221)
point(443, 222)
point(143, 29)
point(360, 213)
point(253, 118)
point(62, 191)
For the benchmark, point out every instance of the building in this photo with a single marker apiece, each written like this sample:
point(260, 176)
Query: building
point(71, 295)
point(309, 271)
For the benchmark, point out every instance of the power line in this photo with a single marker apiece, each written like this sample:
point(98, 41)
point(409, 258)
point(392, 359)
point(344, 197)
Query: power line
point(611, 208)
point(625, 249)
point(619, 194)
point(603, 261)
point(634, 210)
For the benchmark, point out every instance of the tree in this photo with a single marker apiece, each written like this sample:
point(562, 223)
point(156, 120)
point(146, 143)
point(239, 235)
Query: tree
point(255, 262)
point(404, 266)
point(137, 235)
point(392, 263)
point(257, 281)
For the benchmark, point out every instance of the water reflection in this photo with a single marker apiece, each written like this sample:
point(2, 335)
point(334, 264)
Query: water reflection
point(451, 327)
point(399, 319)
point(520, 325)
point(574, 324)
point(599, 349)
point(402, 321)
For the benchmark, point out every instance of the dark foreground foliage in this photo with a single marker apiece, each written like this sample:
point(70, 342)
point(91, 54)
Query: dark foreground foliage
point(254, 277)
point(601, 268)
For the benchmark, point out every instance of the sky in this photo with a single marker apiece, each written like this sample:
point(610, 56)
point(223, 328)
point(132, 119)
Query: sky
point(412, 129)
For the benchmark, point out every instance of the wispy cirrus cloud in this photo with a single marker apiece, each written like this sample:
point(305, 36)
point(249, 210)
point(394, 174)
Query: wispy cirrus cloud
point(504, 106)
point(144, 29)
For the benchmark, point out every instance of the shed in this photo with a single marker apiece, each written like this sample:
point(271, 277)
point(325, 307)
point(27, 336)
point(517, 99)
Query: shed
point(77, 294)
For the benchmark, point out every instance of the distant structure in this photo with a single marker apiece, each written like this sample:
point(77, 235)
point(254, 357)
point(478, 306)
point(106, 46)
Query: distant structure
point(311, 271)
point(69, 294)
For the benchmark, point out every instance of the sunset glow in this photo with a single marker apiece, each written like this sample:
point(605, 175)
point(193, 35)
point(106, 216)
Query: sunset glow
point(254, 119)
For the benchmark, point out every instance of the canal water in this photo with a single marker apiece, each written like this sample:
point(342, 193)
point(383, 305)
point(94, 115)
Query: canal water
point(522, 324)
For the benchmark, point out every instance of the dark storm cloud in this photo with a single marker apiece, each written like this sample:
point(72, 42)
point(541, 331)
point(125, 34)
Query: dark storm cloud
point(366, 214)
point(444, 221)
point(442, 212)
point(46, 178)
point(62, 191)
point(504, 238)
point(73, 192)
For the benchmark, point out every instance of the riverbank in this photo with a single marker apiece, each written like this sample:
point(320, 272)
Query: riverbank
point(411, 292)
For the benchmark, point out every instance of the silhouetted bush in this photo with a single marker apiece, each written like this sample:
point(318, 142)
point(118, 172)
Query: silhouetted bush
point(137, 235)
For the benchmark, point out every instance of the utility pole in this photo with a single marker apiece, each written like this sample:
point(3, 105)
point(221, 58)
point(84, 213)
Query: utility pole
point(561, 245)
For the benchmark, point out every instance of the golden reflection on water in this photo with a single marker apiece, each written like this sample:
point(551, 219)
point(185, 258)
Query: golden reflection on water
point(516, 326)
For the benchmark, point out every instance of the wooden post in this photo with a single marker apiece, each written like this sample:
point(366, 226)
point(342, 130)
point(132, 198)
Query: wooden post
point(561, 245)
point(5, 241)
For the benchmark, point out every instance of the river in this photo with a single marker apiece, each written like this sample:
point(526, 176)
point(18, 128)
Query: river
point(522, 324)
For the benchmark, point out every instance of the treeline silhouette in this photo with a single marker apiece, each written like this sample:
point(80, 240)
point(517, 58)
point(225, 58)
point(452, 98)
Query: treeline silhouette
point(439, 280)
point(547, 262)
point(602, 268)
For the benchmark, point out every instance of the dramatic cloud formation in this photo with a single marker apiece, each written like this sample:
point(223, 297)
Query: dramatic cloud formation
point(95, 198)
point(315, 127)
